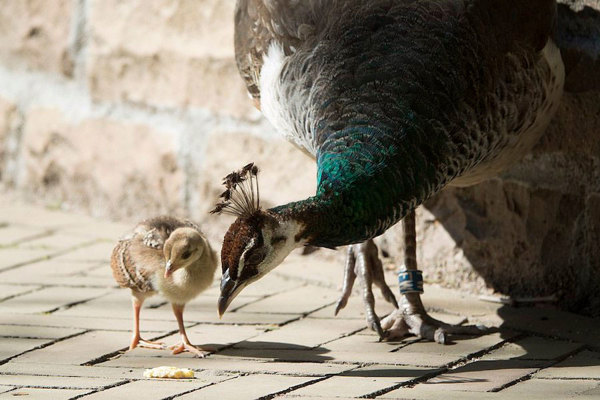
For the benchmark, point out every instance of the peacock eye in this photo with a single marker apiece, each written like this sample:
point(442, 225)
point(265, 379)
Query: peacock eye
point(254, 258)
point(186, 254)
point(277, 240)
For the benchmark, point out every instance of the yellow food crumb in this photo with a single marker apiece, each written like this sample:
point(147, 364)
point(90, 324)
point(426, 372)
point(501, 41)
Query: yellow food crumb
point(169, 372)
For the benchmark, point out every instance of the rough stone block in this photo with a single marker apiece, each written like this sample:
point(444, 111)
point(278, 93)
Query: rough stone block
point(201, 28)
point(306, 332)
point(551, 322)
point(4, 389)
point(432, 354)
point(301, 300)
point(84, 163)
point(46, 393)
point(247, 387)
point(425, 392)
point(161, 53)
point(7, 114)
point(542, 389)
point(96, 252)
point(49, 299)
point(533, 348)
point(584, 365)
point(94, 371)
point(362, 381)
point(233, 365)
point(41, 218)
point(14, 290)
point(257, 318)
point(10, 235)
point(13, 257)
point(79, 349)
point(56, 381)
point(36, 332)
point(208, 337)
point(481, 376)
point(84, 322)
point(56, 272)
point(56, 242)
point(299, 354)
point(146, 389)
point(13, 346)
point(37, 33)
point(116, 304)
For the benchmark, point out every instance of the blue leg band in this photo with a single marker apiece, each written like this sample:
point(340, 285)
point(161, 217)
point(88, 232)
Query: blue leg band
point(410, 281)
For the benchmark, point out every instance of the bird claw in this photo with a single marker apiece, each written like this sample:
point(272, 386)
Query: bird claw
point(405, 322)
point(376, 326)
point(362, 261)
point(139, 342)
point(182, 347)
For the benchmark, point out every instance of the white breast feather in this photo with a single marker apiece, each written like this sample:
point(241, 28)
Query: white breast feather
point(284, 107)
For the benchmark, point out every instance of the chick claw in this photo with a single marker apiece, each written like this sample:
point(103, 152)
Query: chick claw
point(181, 347)
point(137, 341)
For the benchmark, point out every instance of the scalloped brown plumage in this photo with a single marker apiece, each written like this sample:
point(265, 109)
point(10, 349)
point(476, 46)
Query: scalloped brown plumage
point(165, 255)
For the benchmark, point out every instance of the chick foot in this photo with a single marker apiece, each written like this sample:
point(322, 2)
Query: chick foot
point(412, 319)
point(138, 341)
point(183, 346)
point(362, 261)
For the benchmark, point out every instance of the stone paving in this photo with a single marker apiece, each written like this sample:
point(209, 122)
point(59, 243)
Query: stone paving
point(64, 326)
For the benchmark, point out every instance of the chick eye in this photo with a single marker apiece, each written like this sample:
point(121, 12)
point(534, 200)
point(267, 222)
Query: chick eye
point(254, 258)
point(186, 254)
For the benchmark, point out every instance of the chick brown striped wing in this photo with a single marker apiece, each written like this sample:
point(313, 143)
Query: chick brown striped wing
point(128, 268)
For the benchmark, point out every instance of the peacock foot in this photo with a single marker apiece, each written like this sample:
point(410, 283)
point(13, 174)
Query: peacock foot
point(362, 261)
point(412, 319)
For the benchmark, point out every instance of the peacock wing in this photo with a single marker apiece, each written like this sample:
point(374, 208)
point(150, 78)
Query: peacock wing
point(578, 38)
point(259, 22)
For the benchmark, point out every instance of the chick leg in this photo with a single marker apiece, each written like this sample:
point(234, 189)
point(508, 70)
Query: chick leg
point(185, 344)
point(411, 317)
point(137, 300)
point(363, 262)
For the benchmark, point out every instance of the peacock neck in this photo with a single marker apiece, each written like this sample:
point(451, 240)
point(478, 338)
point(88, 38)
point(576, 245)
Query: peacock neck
point(367, 181)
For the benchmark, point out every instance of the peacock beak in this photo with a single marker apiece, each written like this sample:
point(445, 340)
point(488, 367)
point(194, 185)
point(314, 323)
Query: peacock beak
point(229, 290)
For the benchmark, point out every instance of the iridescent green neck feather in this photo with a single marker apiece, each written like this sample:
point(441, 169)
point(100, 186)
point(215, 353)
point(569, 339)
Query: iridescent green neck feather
point(368, 179)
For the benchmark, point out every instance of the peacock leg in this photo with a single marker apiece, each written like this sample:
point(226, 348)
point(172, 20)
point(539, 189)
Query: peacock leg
point(411, 317)
point(349, 278)
point(363, 262)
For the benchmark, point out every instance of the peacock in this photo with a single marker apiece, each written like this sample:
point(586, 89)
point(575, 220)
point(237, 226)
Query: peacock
point(395, 99)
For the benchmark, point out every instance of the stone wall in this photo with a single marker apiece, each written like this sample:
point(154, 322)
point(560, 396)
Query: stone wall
point(128, 108)
point(124, 109)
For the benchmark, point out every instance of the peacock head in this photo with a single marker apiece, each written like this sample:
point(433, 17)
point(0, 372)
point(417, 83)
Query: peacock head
point(258, 240)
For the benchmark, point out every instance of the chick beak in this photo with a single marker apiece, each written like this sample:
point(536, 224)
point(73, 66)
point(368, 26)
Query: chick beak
point(168, 269)
point(229, 290)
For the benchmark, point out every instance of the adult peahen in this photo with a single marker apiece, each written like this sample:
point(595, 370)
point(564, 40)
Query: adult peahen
point(395, 100)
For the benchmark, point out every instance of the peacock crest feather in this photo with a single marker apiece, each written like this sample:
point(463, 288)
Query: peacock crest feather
point(241, 197)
